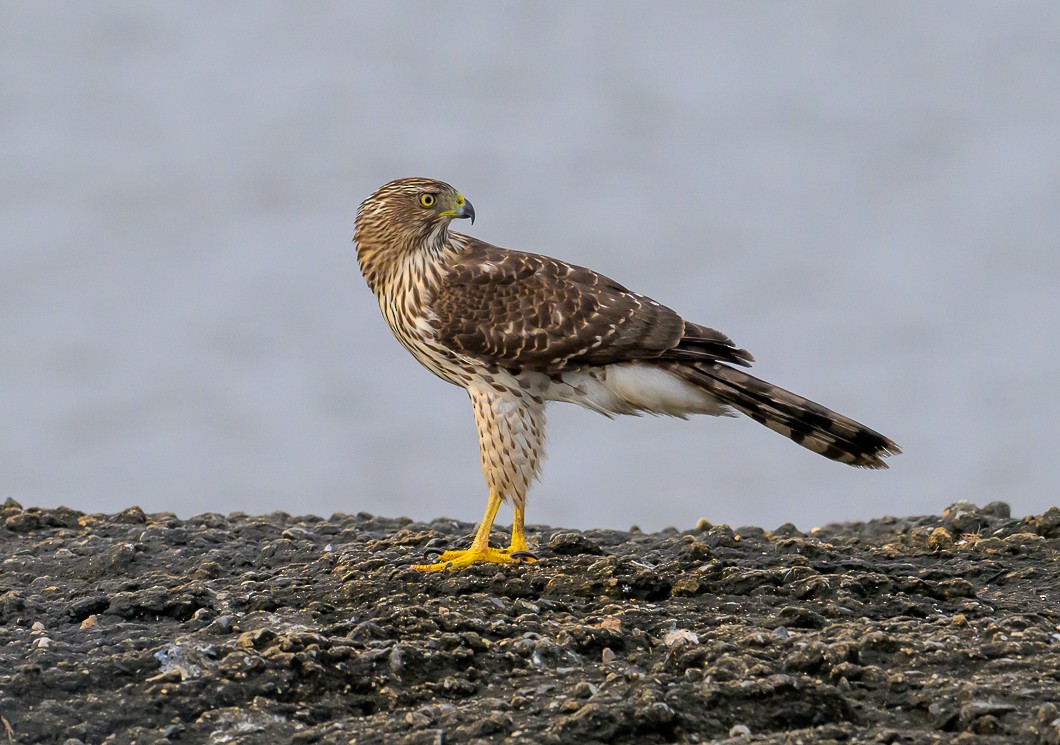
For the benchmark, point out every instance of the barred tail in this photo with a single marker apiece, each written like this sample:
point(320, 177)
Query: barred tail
point(809, 424)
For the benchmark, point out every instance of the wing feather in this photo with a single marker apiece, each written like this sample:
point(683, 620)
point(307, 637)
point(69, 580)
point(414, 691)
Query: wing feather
point(523, 310)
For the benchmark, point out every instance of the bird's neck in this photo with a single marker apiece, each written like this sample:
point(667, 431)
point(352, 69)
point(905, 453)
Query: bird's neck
point(392, 269)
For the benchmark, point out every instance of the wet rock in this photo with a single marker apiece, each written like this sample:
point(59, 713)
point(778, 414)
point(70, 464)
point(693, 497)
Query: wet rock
point(788, 530)
point(808, 658)
point(940, 539)
point(797, 617)
point(1048, 525)
point(281, 628)
point(131, 516)
point(964, 517)
point(998, 509)
point(18, 520)
point(1047, 724)
point(572, 544)
point(686, 587)
point(973, 711)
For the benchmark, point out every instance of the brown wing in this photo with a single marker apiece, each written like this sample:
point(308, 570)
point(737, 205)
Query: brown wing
point(523, 310)
point(705, 344)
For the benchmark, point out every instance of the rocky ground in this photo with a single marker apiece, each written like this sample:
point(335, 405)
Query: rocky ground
point(271, 629)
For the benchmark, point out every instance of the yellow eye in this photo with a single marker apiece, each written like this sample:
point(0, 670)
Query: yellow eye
point(427, 200)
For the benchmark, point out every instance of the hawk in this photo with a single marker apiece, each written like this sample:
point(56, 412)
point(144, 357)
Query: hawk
point(518, 330)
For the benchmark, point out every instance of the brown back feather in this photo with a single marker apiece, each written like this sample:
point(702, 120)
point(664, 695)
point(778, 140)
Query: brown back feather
point(530, 311)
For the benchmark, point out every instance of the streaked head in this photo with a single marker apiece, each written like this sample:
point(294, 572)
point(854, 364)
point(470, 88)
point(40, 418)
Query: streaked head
point(411, 210)
point(406, 217)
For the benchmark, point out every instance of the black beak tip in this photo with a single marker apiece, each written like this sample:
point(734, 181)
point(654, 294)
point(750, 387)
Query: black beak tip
point(470, 211)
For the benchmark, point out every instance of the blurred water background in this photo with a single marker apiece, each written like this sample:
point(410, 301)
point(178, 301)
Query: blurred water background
point(865, 195)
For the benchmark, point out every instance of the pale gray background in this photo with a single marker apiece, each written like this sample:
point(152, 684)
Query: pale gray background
point(865, 195)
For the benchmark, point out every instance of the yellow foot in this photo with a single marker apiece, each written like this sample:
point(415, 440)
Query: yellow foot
point(465, 558)
point(519, 547)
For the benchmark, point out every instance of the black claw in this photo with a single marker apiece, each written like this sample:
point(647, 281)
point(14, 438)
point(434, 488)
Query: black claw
point(524, 555)
point(433, 552)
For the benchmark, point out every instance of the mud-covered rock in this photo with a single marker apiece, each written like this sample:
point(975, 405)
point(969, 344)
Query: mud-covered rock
point(572, 544)
point(276, 628)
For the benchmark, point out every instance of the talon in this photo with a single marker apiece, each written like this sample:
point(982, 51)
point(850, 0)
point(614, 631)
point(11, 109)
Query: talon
point(428, 552)
point(461, 559)
point(528, 555)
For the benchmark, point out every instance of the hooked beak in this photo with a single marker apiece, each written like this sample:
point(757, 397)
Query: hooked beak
point(463, 208)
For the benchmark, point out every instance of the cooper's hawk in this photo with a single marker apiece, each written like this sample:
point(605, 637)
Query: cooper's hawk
point(518, 330)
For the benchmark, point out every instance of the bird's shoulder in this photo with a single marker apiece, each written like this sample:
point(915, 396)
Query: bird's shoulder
point(481, 263)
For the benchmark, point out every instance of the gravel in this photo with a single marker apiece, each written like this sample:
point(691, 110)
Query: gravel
point(276, 628)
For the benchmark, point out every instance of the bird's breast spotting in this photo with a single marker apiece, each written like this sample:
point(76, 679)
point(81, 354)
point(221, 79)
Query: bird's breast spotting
point(404, 298)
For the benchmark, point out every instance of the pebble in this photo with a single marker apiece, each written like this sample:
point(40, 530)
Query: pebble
point(940, 539)
point(679, 637)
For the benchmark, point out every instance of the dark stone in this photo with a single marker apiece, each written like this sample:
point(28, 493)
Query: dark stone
point(1048, 525)
point(796, 617)
point(572, 544)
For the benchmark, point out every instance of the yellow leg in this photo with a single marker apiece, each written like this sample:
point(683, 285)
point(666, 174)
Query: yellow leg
point(480, 548)
point(519, 535)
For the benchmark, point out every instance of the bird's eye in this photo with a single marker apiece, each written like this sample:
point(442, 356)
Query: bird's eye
point(427, 200)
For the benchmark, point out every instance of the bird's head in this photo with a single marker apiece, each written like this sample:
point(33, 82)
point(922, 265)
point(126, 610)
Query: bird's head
point(410, 212)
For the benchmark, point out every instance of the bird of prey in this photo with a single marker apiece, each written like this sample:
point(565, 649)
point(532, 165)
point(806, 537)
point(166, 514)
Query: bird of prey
point(518, 330)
